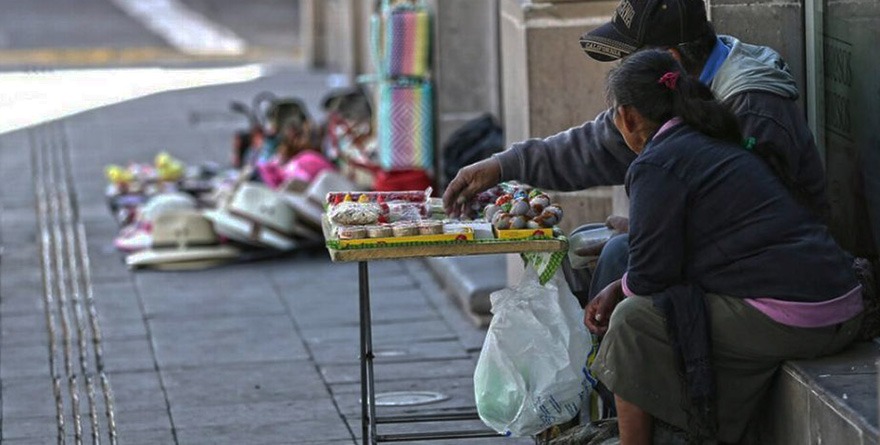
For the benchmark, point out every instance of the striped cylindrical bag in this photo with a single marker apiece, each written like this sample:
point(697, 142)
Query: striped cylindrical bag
point(406, 133)
point(408, 42)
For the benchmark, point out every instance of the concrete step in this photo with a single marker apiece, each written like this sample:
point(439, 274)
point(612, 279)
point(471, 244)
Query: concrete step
point(832, 400)
point(470, 280)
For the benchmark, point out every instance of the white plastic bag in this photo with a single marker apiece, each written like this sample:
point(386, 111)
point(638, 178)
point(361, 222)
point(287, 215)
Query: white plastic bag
point(532, 371)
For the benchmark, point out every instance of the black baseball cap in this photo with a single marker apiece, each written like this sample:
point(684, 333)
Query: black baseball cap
point(638, 23)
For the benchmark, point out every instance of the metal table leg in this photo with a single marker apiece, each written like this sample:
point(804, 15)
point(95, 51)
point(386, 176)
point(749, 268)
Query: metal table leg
point(369, 421)
point(368, 395)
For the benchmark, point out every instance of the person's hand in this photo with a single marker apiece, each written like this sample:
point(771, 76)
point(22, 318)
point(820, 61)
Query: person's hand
point(598, 311)
point(468, 182)
point(619, 224)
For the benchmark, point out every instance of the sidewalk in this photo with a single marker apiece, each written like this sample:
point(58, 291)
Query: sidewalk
point(258, 353)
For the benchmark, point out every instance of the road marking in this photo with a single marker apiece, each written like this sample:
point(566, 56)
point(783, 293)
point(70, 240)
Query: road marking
point(183, 28)
point(31, 98)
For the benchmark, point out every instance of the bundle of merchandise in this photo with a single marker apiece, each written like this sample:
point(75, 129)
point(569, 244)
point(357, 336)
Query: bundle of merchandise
point(133, 185)
point(405, 121)
point(378, 219)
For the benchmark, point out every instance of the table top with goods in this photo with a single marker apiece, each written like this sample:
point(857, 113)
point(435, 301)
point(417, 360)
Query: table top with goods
point(362, 226)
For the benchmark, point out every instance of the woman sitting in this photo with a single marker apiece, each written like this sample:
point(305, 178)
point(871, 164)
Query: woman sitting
point(728, 275)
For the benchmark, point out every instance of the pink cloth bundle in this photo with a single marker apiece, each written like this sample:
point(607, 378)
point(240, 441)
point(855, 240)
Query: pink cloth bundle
point(304, 167)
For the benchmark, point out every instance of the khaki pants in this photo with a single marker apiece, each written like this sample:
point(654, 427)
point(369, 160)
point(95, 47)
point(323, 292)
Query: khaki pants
point(636, 360)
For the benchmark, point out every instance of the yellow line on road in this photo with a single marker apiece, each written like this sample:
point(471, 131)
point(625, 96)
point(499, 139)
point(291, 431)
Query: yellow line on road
point(131, 55)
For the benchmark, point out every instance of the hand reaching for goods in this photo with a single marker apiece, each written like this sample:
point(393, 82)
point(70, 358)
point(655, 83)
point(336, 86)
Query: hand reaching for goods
point(469, 181)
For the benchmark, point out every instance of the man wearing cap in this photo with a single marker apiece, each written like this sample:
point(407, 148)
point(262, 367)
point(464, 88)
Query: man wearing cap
point(752, 80)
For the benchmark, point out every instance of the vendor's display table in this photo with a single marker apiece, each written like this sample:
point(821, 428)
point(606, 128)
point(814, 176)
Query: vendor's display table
point(363, 256)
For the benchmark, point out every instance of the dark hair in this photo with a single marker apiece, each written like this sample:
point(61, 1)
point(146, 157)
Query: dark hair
point(636, 82)
point(695, 53)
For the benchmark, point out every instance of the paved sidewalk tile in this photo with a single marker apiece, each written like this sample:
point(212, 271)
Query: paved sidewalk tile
point(25, 330)
point(225, 341)
point(25, 397)
point(126, 355)
point(253, 414)
point(298, 432)
point(24, 361)
point(413, 331)
point(244, 384)
point(335, 374)
point(396, 350)
point(137, 391)
point(225, 292)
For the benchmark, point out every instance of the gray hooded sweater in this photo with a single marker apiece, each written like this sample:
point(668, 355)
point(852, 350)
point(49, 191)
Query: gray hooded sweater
point(754, 82)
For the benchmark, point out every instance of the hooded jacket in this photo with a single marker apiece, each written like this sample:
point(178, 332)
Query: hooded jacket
point(754, 82)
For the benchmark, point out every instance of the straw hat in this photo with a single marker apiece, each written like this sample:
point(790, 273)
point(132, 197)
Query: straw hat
point(139, 235)
point(309, 205)
point(257, 215)
point(182, 240)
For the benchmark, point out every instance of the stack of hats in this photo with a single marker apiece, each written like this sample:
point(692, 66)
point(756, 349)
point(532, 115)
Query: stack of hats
point(309, 204)
point(257, 216)
point(182, 240)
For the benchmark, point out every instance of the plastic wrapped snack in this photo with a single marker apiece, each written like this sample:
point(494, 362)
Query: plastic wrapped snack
point(351, 213)
point(414, 196)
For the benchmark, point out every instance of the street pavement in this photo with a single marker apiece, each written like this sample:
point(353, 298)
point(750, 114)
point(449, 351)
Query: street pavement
point(47, 34)
point(257, 353)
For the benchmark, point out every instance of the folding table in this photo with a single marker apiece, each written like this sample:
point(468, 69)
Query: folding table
point(363, 255)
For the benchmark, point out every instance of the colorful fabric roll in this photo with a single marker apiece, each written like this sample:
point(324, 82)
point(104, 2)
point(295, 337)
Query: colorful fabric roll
point(406, 129)
point(408, 42)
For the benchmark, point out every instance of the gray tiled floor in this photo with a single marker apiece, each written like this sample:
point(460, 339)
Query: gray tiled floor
point(257, 353)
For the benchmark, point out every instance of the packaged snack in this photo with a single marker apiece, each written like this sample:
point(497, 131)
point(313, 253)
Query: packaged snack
point(414, 196)
point(351, 232)
point(405, 229)
point(350, 213)
point(481, 229)
point(379, 231)
point(430, 227)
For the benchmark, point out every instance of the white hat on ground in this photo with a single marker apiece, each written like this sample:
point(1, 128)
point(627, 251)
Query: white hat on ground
point(182, 240)
point(256, 215)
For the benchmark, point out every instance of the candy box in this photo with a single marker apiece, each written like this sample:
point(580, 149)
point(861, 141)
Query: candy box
point(466, 234)
point(512, 234)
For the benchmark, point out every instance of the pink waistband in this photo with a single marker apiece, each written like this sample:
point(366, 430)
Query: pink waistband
point(811, 315)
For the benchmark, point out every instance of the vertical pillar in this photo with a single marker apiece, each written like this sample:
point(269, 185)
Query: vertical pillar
point(466, 63)
point(550, 85)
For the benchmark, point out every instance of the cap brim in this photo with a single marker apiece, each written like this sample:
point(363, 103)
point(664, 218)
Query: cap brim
point(606, 44)
point(240, 230)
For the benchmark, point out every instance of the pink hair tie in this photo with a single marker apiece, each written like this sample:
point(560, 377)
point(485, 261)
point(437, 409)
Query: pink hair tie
point(669, 80)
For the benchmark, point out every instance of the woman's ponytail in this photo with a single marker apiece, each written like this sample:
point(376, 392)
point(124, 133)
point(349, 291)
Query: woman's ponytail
point(655, 84)
point(696, 105)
